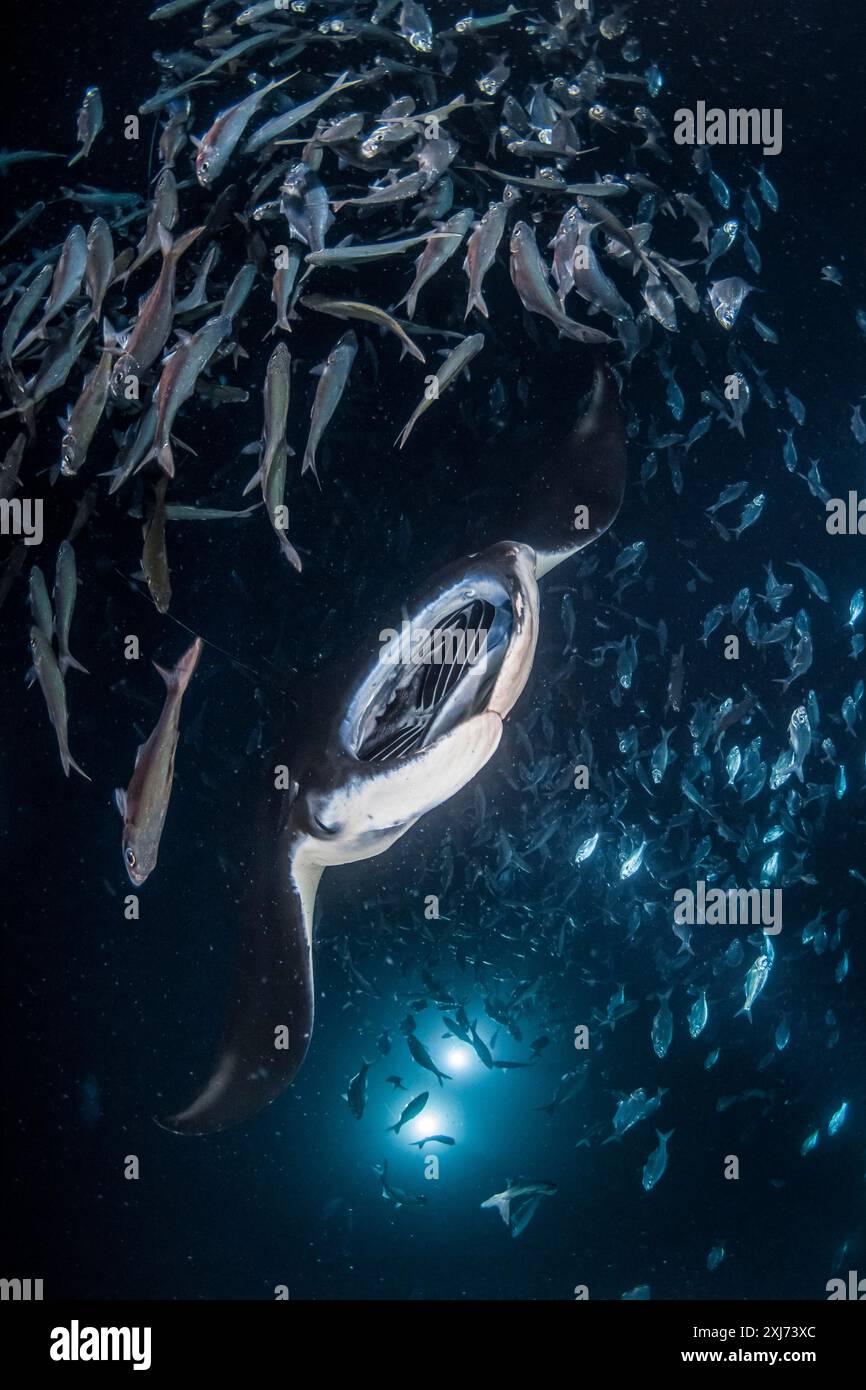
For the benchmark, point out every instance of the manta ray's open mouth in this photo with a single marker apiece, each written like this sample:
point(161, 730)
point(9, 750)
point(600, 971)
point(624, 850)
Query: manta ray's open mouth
point(442, 675)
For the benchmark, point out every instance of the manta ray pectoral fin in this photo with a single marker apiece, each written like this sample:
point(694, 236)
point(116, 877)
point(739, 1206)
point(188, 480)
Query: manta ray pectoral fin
point(271, 1023)
point(578, 491)
point(403, 791)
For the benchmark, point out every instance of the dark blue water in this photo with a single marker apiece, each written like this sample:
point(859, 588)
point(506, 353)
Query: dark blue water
point(111, 1022)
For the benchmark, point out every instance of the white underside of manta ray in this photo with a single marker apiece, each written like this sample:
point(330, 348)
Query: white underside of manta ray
point(416, 727)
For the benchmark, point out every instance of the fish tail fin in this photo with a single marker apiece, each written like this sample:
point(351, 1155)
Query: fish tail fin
point(183, 243)
point(290, 552)
point(68, 762)
point(310, 462)
point(75, 158)
point(67, 662)
point(475, 301)
point(164, 457)
point(180, 675)
point(25, 342)
point(130, 270)
point(744, 1010)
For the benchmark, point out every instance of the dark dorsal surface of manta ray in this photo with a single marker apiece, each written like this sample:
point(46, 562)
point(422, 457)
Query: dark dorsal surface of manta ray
point(421, 719)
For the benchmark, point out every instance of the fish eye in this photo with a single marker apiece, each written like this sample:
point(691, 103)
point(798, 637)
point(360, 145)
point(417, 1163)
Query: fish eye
point(130, 858)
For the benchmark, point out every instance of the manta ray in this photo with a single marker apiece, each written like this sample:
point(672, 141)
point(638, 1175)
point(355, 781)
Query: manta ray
point(419, 721)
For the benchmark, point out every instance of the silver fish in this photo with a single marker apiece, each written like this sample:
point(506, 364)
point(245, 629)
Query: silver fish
point(56, 364)
point(23, 310)
point(590, 281)
point(334, 373)
point(529, 276)
point(90, 119)
point(65, 593)
point(65, 284)
point(481, 253)
point(280, 124)
point(163, 213)
point(50, 678)
point(457, 359)
point(23, 221)
point(154, 557)
point(367, 313)
point(177, 383)
point(699, 216)
point(144, 804)
point(11, 466)
point(153, 325)
point(216, 147)
point(40, 604)
point(681, 283)
point(274, 450)
point(175, 133)
point(304, 204)
point(435, 254)
point(177, 511)
point(800, 736)
point(755, 982)
point(383, 195)
point(656, 1164)
point(660, 303)
point(350, 255)
point(99, 264)
point(87, 412)
point(727, 298)
point(282, 285)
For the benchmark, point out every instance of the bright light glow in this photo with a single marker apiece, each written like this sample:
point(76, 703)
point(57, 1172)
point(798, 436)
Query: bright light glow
point(458, 1059)
point(428, 1122)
